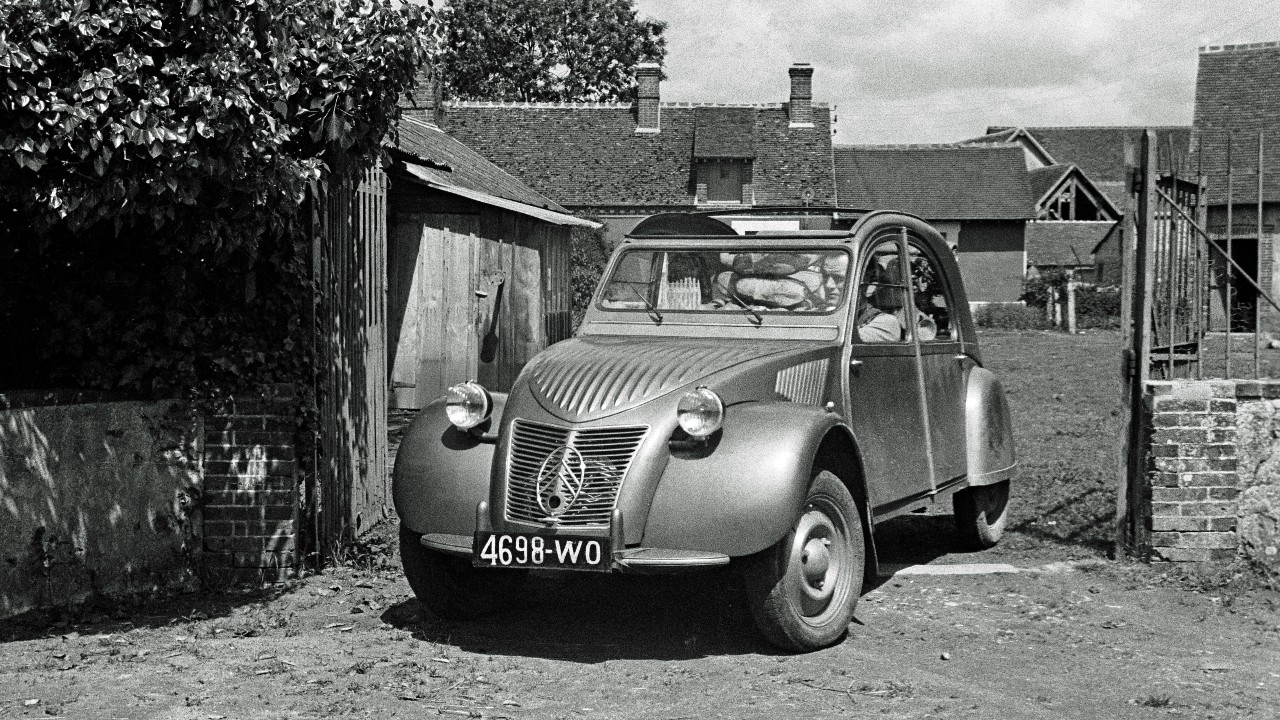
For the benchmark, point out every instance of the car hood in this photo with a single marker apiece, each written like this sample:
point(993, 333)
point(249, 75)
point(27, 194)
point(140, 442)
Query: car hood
point(591, 377)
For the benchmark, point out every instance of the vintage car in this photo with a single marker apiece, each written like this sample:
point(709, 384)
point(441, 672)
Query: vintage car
point(759, 400)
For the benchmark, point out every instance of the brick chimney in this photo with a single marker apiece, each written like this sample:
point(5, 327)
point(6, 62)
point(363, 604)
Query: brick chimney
point(424, 101)
point(648, 116)
point(801, 104)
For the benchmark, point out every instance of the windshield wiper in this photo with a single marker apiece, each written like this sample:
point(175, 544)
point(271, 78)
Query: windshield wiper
point(755, 315)
point(657, 316)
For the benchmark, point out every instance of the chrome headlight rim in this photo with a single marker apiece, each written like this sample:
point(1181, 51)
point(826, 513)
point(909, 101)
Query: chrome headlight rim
point(468, 404)
point(700, 413)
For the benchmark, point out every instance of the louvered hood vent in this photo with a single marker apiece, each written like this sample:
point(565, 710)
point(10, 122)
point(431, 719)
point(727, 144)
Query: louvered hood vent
point(587, 378)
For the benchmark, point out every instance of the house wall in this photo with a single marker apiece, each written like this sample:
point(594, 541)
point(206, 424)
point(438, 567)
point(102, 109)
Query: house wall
point(445, 250)
point(992, 258)
point(96, 497)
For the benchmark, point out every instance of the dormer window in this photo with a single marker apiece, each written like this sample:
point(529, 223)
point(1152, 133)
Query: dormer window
point(726, 181)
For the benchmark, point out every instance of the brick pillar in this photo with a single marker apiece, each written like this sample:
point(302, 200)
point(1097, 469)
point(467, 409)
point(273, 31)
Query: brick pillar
point(1192, 471)
point(424, 102)
point(649, 99)
point(800, 106)
point(251, 491)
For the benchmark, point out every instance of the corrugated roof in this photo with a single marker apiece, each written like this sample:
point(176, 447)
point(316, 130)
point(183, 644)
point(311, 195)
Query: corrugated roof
point(464, 167)
point(936, 182)
point(721, 132)
point(440, 180)
point(1236, 90)
point(591, 156)
point(1064, 242)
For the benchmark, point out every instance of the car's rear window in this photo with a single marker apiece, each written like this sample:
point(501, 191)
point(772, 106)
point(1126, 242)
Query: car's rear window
point(812, 281)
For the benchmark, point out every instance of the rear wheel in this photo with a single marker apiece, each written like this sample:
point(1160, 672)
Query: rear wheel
point(803, 590)
point(450, 586)
point(981, 513)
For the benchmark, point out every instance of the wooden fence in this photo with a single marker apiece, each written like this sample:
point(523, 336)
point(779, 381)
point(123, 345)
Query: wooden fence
point(352, 492)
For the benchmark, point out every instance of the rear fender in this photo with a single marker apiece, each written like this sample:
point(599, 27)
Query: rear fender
point(744, 491)
point(441, 472)
point(988, 430)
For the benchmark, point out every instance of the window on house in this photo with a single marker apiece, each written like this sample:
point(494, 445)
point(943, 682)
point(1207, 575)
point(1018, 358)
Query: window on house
point(725, 179)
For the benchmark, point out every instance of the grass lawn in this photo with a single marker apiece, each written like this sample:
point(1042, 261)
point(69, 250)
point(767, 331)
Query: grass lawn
point(1064, 395)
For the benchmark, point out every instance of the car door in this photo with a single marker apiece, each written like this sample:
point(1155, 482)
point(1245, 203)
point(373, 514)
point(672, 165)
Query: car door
point(942, 361)
point(885, 393)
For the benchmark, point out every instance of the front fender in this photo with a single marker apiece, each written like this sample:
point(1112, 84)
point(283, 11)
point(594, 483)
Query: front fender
point(988, 430)
point(441, 472)
point(745, 490)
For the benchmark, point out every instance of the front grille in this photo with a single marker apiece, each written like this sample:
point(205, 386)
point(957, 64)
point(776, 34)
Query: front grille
point(606, 454)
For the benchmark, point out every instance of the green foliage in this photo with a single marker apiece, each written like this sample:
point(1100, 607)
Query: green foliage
point(589, 252)
point(1009, 316)
point(546, 50)
point(154, 158)
point(1097, 306)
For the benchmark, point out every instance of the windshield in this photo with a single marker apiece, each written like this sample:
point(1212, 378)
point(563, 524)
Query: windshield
point(756, 282)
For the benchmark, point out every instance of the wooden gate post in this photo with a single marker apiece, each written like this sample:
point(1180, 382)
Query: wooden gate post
point(1132, 504)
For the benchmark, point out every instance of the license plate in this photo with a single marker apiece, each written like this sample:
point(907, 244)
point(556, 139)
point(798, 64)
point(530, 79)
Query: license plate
point(527, 550)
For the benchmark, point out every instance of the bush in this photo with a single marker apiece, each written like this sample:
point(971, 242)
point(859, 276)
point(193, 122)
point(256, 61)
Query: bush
point(1097, 306)
point(1009, 316)
point(589, 252)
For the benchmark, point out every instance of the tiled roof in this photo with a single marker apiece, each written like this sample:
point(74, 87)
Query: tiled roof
point(591, 156)
point(1236, 90)
point(1100, 151)
point(1064, 242)
point(936, 182)
point(462, 166)
point(1043, 179)
point(724, 132)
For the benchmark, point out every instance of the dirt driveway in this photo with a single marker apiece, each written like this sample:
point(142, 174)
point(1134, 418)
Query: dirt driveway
point(1083, 639)
point(1069, 635)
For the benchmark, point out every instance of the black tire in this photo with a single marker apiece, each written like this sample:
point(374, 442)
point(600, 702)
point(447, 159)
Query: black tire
point(803, 591)
point(981, 514)
point(450, 587)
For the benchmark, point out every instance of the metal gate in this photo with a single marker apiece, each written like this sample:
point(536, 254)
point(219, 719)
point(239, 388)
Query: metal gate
point(1177, 272)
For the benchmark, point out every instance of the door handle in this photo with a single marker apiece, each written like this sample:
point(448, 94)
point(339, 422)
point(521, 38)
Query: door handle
point(960, 358)
point(855, 365)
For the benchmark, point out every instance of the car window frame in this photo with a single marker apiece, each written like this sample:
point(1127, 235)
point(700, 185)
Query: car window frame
point(607, 277)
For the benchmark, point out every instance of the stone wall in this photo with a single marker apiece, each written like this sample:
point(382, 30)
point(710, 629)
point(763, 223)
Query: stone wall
point(124, 497)
point(1213, 470)
point(96, 498)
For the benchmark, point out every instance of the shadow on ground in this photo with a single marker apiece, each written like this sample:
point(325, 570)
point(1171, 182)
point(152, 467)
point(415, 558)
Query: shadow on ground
point(591, 618)
point(100, 615)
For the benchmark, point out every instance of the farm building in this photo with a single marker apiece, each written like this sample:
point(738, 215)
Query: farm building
point(471, 249)
point(622, 162)
point(1102, 153)
point(1235, 104)
point(979, 197)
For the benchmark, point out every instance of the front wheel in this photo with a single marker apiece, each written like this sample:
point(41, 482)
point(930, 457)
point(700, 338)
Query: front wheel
point(803, 590)
point(450, 586)
point(981, 513)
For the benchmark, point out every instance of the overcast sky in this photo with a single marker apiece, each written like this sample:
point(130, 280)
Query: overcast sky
point(915, 71)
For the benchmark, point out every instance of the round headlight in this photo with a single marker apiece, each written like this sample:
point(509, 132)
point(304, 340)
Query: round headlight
point(700, 412)
point(468, 404)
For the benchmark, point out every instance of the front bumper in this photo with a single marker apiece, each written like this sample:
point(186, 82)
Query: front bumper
point(625, 559)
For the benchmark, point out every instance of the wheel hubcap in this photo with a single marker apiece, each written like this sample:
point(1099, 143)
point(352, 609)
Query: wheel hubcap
point(818, 563)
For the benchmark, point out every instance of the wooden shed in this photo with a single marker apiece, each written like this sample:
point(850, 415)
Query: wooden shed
point(465, 238)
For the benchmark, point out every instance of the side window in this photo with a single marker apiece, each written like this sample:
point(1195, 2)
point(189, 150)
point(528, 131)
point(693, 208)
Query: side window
point(933, 306)
point(883, 297)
